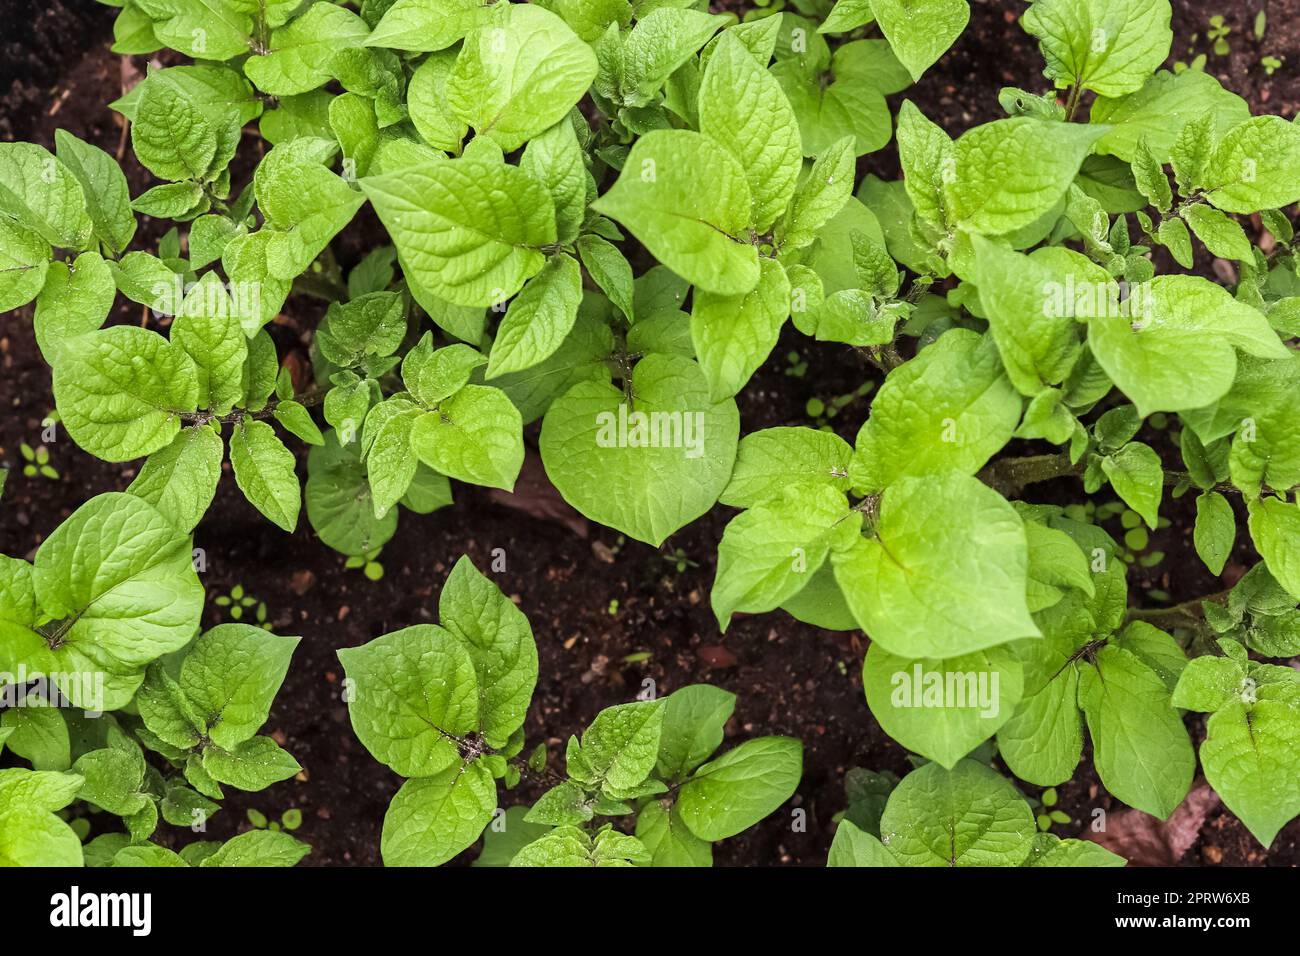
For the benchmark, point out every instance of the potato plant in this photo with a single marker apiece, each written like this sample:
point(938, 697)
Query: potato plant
point(598, 217)
point(444, 706)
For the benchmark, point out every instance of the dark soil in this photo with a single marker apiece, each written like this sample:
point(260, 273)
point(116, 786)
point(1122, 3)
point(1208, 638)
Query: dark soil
point(593, 600)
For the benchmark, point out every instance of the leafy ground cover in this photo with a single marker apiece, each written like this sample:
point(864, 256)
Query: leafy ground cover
point(651, 601)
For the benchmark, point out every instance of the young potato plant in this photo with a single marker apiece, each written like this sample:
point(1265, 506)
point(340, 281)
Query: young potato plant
point(101, 661)
point(963, 815)
point(444, 706)
point(995, 618)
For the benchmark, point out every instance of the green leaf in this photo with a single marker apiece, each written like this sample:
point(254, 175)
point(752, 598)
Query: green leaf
point(772, 459)
point(433, 818)
point(230, 675)
point(686, 199)
point(1108, 46)
point(1222, 236)
point(121, 391)
point(390, 460)
point(418, 25)
point(24, 264)
point(926, 154)
point(39, 735)
point(42, 195)
point(253, 765)
point(469, 231)
point(1136, 474)
point(427, 101)
point(174, 138)
point(1275, 529)
point(669, 840)
point(846, 16)
point(1216, 530)
point(1178, 351)
point(259, 848)
point(819, 197)
point(1050, 850)
point(1209, 684)
point(264, 471)
point(500, 644)
point(740, 788)
point(620, 748)
point(414, 693)
point(1043, 740)
point(108, 201)
point(475, 436)
point(207, 327)
point(694, 719)
point(1249, 169)
point(519, 75)
point(966, 816)
point(854, 847)
point(610, 270)
point(117, 578)
point(920, 33)
point(73, 302)
point(768, 553)
point(648, 469)
point(204, 29)
point(660, 42)
point(539, 319)
point(1251, 757)
point(1141, 748)
point(942, 709)
point(181, 479)
point(113, 780)
point(850, 101)
point(949, 409)
point(339, 500)
point(742, 107)
point(555, 160)
point(1167, 105)
point(300, 54)
point(733, 335)
point(1046, 156)
point(946, 573)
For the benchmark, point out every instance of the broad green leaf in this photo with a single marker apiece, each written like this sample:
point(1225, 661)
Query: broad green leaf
point(258, 848)
point(744, 785)
point(1249, 169)
point(1141, 748)
point(24, 264)
point(1136, 474)
point(1009, 173)
point(1043, 740)
point(539, 319)
point(946, 573)
point(1178, 350)
point(742, 106)
point(669, 840)
point(73, 302)
point(733, 335)
point(555, 160)
point(103, 183)
point(203, 29)
point(414, 694)
point(920, 33)
point(854, 847)
point(926, 154)
point(686, 199)
point(208, 328)
point(117, 581)
point(300, 54)
point(264, 471)
point(942, 709)
point(1165, 106)
point(770, 460)
point(1209, 684)
point(469, 231)
point(966, 816)
point(230, 675)
point(694, 719)
point(660, 42)
point(1051, 851)
point(769, 552)
point(252, 765)
point(847, 15)
point(339, 500)
point(849, 101)
point(1251, 757)
point(113, 780)
point(173, 137)
point(417, 25)
point(1222, 236)
point(519, 75)
point(1108, 46)
point(620, 748)
point(1275, 529)
point(42, 195)
point(37, 734)
point(646, 469)
point(475, 436)
point(819, 197)
point(500, 643)
point(431, 819)
point(427, 101)
point(181, 479)
point(1216, 530)
point(949, 409)
point(121, 391)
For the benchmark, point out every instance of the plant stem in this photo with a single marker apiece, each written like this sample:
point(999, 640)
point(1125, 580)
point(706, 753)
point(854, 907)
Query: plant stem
point(307, 399)
point(1011, 475)
point(1189, 612)
point(1072, 103)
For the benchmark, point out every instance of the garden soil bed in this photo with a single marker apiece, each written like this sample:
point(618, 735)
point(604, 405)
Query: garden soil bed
point(594, 600)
